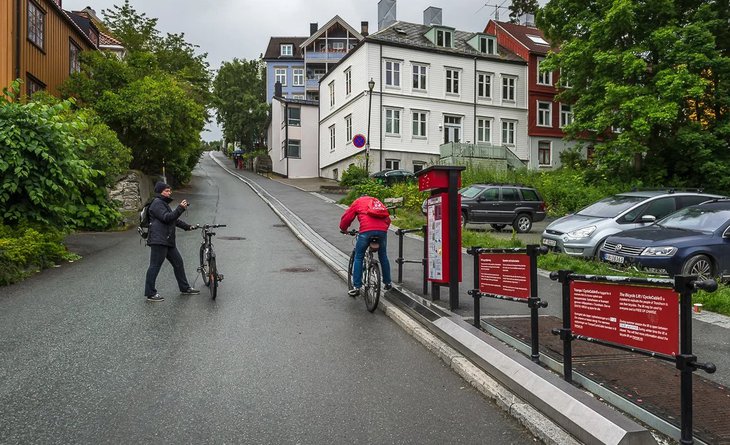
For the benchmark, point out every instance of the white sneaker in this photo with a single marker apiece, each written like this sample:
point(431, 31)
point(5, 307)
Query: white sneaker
point(354, 292)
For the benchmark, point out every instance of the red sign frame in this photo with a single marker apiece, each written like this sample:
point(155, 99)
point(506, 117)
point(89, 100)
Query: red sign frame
point(437, 243)
point(359, 140)
point(640, 317)
point(505, 274)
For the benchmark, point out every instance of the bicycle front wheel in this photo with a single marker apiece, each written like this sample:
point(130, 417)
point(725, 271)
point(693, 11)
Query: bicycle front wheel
point(213, 279)
point(204, 264)
point(372, 288)
point(350, 267)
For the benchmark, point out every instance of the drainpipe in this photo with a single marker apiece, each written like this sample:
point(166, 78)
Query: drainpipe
point(475, 103)
point(380, 108)
point(286, 136)
point(17, 38)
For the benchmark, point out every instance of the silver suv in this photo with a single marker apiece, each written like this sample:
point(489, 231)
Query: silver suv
point(581, 233)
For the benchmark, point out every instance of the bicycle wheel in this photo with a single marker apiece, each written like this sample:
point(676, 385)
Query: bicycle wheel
point(350, 266)
point(213, 277)
point(372, 288)
point(204, 264)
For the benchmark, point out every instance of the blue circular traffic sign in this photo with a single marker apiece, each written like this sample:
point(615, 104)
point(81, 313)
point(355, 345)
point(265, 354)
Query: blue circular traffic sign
point(359, 140)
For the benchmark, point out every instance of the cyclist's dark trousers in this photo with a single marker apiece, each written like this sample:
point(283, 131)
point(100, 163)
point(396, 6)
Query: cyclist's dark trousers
point(360, 246)
point(157, 257)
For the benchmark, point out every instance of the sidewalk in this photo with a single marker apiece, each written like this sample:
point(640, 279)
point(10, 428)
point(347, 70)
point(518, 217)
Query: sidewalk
point(648, 383)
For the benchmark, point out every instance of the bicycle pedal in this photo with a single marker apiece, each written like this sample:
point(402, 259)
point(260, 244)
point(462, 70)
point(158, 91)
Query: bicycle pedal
point(220, 277)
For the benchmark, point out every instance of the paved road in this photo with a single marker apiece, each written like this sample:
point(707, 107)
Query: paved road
point(282, 356)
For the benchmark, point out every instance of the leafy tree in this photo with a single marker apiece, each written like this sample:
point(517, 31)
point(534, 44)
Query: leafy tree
point(650, 84)
point(519, 8)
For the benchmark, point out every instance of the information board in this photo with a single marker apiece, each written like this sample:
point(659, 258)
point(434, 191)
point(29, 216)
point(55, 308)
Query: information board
point(505, 274)
point(435, 219)
point(640, 317)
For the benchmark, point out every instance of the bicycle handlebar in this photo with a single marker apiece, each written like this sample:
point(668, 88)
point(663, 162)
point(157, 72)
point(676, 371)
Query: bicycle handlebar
point(209, 226)
point(351, 232)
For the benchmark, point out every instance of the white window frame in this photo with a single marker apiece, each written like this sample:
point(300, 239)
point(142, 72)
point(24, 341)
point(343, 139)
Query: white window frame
point(289, 147)
point(392, 121)
point(279, 74)
point(452, 81)
point(486, 45)
point(509, 129)
point(392, 73)
point(509, 88)
point(333, 141)
point(484, 85)
point(419, 77)
point(348, 81)
point(294, 122)
point(286, 50)
point(348, 127)
point(550, 154)
point(444, 38)
point(338, 46)
point(392, 164)
point(298, 77)
point(544, 78)
point(484, 129)
point(332, 93)
point(419, 124)
point(544, 114)
point(566, 115)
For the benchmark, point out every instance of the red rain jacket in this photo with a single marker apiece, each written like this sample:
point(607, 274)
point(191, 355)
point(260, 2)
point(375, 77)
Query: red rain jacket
point(368, 223)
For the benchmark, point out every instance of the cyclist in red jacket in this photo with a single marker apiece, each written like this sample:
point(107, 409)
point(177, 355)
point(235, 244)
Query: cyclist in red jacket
point(374, 220)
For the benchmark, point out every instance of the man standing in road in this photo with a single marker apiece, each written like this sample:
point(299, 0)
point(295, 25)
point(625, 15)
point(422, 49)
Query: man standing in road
point(161, 239)
point(374, 220)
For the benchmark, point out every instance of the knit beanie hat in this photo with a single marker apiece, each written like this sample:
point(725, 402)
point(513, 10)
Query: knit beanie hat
point(161, 186)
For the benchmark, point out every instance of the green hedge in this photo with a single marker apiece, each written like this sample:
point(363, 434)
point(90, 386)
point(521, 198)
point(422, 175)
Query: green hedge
point(24, 251)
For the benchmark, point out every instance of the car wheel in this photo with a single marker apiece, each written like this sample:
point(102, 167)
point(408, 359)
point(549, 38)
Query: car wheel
point(700, 265)
point(464, 221)
point(523, 223)
point(498, 227)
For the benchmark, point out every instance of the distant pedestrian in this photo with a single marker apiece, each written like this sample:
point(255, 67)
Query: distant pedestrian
point(161, 239)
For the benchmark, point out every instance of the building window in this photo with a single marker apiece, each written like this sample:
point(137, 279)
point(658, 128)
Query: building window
point(392, 73)
point(486, 45)
point(484, 130)
point(452, 81)
point(283, 149)
point(36, 24)
point(298, 77)
point(74, 65)
point(419, 77)
point(392, 121)
point(508, 88)
point(295, 116)
point(543, 114)
point(332, 94)
point(484, 85)
point(443, 38)
point(294, 149)
point(338, 46)
point(335, 174)
point(280, 76)
point(287, 50)
point(418, 166)
point(566, 115)
point(348, 81)
point(564, 80)
point(34, 85)
point(508, 132)
point(348, 127)
point(332, 138)
point(543, 153)
point(419, 124)
point(297, 96)
point(392, 164)
point(543, 78)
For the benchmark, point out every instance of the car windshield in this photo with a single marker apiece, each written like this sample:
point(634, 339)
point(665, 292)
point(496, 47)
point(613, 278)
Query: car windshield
point(702, 219)
point(470, 192)
point(611, 206)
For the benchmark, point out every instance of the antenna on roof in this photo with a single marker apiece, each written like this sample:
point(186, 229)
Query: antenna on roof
point(496, 8)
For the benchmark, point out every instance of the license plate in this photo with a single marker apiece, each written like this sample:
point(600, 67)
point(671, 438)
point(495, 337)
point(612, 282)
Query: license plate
point(549, 242)
point(613, 258)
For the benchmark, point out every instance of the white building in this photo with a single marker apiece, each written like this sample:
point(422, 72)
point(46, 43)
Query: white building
point(432, 85)
point(293, 120)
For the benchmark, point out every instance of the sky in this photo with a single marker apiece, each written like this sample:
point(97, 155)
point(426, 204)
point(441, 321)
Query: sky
point(228, 29)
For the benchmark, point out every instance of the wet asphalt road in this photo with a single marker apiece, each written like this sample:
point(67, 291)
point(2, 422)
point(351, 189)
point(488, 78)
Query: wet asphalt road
point(283, 356)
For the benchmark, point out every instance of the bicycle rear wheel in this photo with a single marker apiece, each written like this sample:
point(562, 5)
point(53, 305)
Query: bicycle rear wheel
point(204, 264)
point(350, 266)
point(372, 288)
point(213, 278)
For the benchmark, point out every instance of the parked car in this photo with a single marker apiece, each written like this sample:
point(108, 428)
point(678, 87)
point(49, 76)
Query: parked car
point(392, 176)
point(582, 233)
point(692, 241)
point(500, 205)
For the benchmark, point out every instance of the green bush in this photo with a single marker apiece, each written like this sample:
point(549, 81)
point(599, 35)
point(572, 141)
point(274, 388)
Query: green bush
point(354, 175)
point(27, 250)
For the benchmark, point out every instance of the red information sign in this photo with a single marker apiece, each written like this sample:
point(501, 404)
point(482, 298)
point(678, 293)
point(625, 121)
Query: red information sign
point(640, 317)
point(505, 274)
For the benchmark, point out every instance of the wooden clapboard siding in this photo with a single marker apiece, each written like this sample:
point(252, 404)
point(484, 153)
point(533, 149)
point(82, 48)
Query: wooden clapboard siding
point(6, 42)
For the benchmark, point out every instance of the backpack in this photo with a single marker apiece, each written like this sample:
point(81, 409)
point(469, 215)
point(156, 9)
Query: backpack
point(377, 209)
point(144, 220)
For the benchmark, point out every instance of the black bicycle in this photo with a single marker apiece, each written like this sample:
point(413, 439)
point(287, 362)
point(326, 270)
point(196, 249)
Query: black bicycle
point(371, 276)
point(208, 268)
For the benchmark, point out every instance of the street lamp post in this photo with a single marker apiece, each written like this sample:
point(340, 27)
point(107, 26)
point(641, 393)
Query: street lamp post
point(371, 85)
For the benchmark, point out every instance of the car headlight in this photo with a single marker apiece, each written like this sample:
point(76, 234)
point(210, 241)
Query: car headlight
point(659, 251)
point(585, 232)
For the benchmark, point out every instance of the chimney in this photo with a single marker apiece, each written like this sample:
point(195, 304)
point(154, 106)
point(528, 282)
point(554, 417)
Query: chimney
point(313, 27)
point(386, 13)
point(364, 29)
point(277, 89)
point(432, 16)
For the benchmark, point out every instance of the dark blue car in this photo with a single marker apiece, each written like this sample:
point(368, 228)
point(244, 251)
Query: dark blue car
point(691, 241)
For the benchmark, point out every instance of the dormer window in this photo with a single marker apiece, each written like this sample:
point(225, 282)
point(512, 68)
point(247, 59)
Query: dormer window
point(443, 38)
point(486, 45)
point(287, 50)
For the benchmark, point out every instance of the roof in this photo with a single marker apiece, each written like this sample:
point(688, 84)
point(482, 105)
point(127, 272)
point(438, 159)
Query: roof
point(528, 36)
point(413, 35)
point(287, 100)
point(107, 40)
point(66, 16)
point(273, 52)
point(328, 25)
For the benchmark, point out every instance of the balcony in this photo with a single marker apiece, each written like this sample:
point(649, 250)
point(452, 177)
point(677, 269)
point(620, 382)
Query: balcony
point(312, 83)
point(499, 157)
point(324, 56)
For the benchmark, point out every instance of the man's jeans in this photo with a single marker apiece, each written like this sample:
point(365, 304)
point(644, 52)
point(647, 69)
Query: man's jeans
point(362, 243)
point(157, 257)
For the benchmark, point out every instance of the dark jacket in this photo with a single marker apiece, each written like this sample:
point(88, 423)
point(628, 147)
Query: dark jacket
point(163, 221)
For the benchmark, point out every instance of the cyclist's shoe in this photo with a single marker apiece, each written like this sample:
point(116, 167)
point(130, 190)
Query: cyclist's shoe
point(354, 292)
point(155, 298)
point(388, 286)
point(190, 291)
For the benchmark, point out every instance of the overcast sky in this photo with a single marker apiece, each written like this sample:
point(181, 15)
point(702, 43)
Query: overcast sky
point(227, 29)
